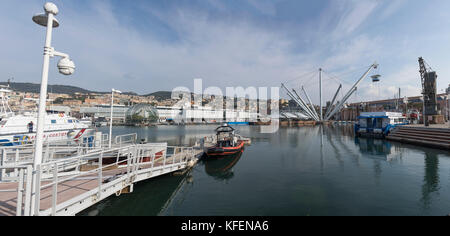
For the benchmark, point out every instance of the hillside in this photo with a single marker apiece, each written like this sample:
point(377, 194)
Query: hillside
point(67, 89)
point(161, 95)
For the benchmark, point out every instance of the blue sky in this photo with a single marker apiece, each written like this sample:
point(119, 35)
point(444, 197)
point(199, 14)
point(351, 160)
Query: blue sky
point(146, 46)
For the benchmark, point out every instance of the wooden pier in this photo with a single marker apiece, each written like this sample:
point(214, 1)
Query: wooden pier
point(66, 186)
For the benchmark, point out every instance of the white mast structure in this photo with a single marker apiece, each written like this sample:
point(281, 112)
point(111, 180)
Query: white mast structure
point(350, 92)
point(331, 111)
point(5, 109)
point(320, 94)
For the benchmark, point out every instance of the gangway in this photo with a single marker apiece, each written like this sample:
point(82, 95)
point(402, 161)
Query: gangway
point(66, 186)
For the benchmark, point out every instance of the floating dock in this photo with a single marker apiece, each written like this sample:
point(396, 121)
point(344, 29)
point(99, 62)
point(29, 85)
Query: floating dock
point(67, 186)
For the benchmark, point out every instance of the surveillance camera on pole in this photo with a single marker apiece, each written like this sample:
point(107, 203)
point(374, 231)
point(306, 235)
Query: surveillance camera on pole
point(65, 66)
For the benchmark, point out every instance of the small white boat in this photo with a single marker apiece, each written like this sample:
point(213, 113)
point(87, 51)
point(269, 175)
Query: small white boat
point(101, 121)
point(86, 121)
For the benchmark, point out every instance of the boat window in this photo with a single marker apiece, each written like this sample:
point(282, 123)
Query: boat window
point(369, 122)
point(70, 121)
point(77, 121)
point(363, 122)
point(3, 122)
point(53, 121)
point(379, 124)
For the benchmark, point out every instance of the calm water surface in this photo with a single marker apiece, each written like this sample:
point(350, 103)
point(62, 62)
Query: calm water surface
point(296, 171)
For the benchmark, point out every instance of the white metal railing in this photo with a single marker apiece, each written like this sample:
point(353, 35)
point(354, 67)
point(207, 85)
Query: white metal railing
point(24, 154)
point(125, 139)
point(125, 162)
point(136, 160)
point(23, 189)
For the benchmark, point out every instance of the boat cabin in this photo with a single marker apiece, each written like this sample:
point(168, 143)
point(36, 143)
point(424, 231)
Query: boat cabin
point(225, 136)
point(227, 144)
point(378, 124)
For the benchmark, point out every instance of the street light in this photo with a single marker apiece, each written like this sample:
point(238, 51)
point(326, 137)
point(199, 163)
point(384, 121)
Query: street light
point(111, 117)
point(65, 66)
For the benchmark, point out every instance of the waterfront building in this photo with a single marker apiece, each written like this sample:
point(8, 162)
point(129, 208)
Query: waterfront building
point(119, 112)
point(142, 113)
point(353, 110)
point(60, 109)
point(168, 114)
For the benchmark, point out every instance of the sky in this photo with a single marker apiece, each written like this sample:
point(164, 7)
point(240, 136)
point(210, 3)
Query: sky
point(148, 46)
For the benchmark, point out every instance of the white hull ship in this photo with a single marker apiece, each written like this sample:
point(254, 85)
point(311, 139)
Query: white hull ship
point(21, 129)
point(15, 130)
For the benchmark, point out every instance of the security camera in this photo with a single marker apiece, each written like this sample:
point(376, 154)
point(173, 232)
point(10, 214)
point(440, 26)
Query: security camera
point(66, 66)
point(50, 7)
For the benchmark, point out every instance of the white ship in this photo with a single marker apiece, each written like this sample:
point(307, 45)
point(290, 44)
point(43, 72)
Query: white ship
point(21, 129)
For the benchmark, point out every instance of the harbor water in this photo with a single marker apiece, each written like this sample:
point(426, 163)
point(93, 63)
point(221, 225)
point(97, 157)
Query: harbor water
point(295, 171)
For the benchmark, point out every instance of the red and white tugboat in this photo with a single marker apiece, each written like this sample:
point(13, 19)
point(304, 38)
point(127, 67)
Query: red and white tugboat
point(227, 143)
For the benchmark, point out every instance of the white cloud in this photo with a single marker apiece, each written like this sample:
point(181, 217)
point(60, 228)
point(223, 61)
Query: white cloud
point(357, 51)
point(263, 6)
point(355, 14)
point(223, 52)
point(391, 8)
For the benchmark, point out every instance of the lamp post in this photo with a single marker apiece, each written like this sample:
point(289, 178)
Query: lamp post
point(111, 117)
point(65, 66)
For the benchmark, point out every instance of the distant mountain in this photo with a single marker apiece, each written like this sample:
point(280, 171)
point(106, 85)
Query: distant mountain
point(160, 95)
point(35, 88)
point(67, 89)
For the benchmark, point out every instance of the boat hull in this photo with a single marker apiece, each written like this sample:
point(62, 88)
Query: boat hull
point(225, 151)
point(49, 136)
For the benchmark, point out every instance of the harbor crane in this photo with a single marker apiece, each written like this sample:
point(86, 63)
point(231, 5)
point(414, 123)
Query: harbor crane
point(429, 90)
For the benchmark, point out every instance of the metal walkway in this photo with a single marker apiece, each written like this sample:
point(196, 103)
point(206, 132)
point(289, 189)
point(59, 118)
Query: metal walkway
point(66, 186)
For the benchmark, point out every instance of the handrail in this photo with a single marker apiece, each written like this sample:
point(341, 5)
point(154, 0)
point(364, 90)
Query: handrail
point(134, 160)
point(54, 171)
point(23, 187)
point(119, 138)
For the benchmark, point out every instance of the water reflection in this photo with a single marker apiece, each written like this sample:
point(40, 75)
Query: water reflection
point(222, 168)
point(151, 197)
point(375, 148)
point(314, 170)
point(430, 180)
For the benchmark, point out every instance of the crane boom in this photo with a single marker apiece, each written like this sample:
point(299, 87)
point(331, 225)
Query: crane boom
point(429, 90)
point(423, 72)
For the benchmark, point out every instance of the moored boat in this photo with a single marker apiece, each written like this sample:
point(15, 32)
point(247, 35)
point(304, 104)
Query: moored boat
point(21, 129)
point(227, 143)
point(378, 124)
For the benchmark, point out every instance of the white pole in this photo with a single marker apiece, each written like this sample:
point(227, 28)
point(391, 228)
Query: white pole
point(320, 93)
point(351, 91)
point(111, 117)
point(310, 103)
point(43, 94)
